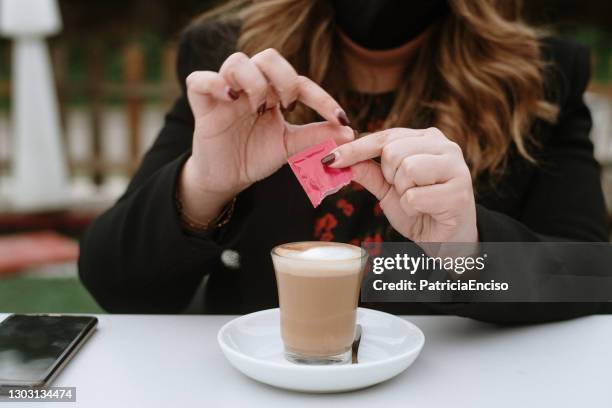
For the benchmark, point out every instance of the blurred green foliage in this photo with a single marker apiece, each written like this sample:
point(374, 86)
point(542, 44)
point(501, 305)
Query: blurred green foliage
point(600, 42)
point(45, 295)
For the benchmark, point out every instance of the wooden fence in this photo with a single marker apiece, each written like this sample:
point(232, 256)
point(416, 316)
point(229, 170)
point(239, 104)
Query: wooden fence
point(131, 91)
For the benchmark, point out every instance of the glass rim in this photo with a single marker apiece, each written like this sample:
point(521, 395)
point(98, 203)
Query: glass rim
point(364, 253)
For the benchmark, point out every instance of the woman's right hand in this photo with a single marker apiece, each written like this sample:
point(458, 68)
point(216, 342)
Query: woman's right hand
point(240, 134)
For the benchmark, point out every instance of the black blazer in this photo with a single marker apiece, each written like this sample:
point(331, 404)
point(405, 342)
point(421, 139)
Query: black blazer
point(135, 258)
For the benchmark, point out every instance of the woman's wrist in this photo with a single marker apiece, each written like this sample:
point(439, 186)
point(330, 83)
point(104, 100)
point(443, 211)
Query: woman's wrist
point(199, 206)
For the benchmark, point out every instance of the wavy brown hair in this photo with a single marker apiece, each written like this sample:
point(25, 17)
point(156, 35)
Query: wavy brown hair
point(478, 74)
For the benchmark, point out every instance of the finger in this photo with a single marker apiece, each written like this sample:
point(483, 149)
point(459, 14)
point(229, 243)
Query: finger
point(368, 147)
point(396, 152)
point(204, 87)
point(313, 96)
point(280, 74)
point(300, 137)
point(242, 75)
point(369, 175)
point(437, 199)
point(422, 170)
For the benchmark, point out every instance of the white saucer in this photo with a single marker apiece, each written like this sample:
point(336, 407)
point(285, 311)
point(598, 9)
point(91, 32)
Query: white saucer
point(253, 345)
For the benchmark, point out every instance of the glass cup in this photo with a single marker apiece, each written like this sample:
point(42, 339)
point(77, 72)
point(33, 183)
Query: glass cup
point(318, 289)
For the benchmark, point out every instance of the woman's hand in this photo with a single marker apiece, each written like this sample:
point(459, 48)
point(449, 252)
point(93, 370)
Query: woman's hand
point(240, 134)
point(423, 183)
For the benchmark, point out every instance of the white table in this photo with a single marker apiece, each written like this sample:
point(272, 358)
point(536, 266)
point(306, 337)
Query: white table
point(174, 361)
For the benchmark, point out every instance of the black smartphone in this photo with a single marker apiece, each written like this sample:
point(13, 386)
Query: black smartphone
point(35, 347)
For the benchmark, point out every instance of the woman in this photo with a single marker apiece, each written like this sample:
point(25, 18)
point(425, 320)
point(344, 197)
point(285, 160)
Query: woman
point(478, 124)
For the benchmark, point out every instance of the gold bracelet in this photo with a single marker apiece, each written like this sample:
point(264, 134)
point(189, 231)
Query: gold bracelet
point(217, 222)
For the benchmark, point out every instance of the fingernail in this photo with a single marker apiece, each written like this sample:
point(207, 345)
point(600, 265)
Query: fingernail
point(231, 93)
point(329, 159)
point(342, 118)
point(261, 109)
point(291, 106)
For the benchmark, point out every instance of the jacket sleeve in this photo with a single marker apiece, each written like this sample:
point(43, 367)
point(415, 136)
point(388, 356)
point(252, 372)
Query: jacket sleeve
point(135, 257)
point(564, 203)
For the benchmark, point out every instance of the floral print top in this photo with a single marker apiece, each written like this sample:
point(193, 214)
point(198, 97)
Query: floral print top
point(353, 215)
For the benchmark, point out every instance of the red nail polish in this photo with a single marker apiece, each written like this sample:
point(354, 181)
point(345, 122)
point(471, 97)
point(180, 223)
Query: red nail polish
point(329, 159)
point(291, 106)
point(342, 118)
point(262, 109)
point(232, 94)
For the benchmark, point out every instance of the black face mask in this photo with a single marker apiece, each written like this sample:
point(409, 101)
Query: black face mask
point(385, 24)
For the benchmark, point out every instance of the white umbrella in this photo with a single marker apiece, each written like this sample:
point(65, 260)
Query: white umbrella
point(39, 172)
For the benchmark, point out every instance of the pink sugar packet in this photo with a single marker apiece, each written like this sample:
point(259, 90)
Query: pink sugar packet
point(317, 180)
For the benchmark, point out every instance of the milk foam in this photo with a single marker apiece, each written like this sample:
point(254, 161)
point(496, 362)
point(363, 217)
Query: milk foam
point(327, 253)
point(318, 260)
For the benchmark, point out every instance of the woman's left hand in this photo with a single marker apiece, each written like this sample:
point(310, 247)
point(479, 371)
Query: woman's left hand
point(422, 182)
